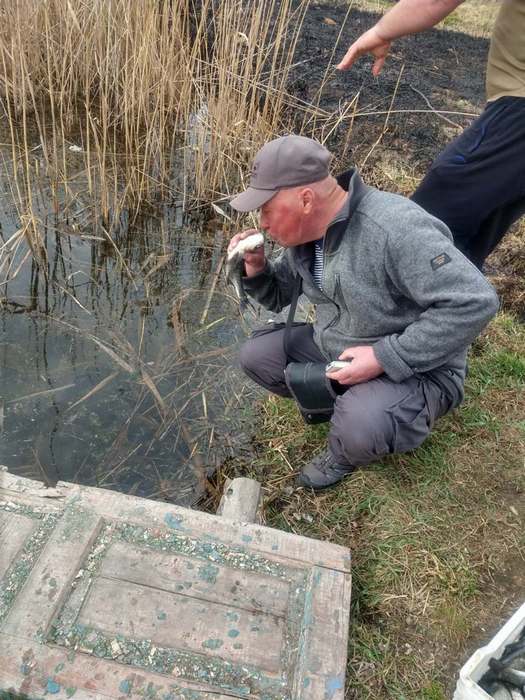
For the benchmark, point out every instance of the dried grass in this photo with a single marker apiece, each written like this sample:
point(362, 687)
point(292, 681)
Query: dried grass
point(133, 82)
point(113, 104)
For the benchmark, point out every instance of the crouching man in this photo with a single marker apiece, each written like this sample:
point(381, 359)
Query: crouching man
point(392, 295)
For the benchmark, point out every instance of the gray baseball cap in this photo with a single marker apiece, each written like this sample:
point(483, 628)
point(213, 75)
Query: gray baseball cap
point(288, 161)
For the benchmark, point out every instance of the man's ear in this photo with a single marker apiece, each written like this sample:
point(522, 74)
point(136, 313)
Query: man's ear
point(307, 199)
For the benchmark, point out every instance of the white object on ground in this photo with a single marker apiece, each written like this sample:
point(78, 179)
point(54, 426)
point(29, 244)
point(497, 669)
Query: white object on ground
point(336, 365)
point(467, 687)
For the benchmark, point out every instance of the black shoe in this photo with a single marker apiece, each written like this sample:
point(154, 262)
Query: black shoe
point(323, 471)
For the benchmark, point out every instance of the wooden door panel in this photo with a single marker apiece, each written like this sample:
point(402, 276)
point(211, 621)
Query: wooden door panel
point(106, 595)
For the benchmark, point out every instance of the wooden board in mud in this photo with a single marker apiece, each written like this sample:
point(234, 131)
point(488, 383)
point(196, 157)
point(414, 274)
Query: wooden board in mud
point(107, 595)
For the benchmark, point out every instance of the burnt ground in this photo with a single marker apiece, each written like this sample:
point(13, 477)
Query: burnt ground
point(448, 68)
point(445, 68)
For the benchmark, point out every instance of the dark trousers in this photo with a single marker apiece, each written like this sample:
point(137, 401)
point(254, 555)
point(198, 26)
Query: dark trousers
point(477, 184)
point(370, 420)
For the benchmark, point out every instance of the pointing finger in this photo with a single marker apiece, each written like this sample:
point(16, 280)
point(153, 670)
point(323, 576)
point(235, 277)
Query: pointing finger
point(348, 59)
point(378, 66)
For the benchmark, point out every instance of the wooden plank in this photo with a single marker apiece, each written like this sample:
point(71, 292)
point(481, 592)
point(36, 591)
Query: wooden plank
point(14, 530)
point(241, 500)
point(324, 639)
point(55, 568)
point(17, 484)
point(33, 494)
point(135, 586)
point(176, 621)
point(177, 573)
point(33, 500)
point(32, 670)
point(280, 546)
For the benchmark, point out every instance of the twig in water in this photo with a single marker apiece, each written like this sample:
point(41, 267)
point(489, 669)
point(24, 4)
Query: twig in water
point(178, 326)
point(93, 391)
point(120, 257)
point(161, 406)
point(122, 461)
point(212, 289)
point(47, 481)
point(198, 466)
point(41, 393)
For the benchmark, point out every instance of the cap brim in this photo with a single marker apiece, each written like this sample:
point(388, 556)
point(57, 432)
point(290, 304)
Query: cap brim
point(251, 199)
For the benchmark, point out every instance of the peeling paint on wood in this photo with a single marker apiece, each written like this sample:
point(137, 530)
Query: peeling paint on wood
point(106, 595)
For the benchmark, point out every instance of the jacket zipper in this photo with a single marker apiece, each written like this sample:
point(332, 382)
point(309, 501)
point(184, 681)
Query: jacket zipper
point(333, 301)
point(339, 291)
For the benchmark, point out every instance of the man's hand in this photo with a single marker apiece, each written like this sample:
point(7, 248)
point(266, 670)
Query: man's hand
point(255, 260)
point(406, 17)
point(363, 367)
point(369, 42)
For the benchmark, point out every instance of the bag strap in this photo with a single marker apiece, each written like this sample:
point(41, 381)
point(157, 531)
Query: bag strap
point(291, 313)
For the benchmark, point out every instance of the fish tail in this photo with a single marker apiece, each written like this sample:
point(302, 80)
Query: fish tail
point(245, 304)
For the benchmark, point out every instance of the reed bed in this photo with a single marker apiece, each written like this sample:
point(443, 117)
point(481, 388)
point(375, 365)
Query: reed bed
point(138, 88)
point(114, 104)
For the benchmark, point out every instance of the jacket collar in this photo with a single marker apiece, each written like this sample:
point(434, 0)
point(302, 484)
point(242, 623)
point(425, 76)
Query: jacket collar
point(351, 182)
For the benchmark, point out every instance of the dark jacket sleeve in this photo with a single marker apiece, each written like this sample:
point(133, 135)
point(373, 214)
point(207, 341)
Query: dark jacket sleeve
point(273, 287)
point(456, 300)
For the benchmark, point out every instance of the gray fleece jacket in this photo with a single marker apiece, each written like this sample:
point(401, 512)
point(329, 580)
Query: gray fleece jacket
point(392, 279)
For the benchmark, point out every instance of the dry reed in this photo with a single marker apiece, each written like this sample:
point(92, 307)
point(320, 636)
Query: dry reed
point(137, 88)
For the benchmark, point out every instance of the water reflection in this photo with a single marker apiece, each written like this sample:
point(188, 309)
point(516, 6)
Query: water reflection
point(117, 365)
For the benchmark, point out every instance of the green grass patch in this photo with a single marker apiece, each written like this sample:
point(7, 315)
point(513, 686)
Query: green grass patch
point(474, 17)
point(429, 531)
point(453, 21)
point(435, 691)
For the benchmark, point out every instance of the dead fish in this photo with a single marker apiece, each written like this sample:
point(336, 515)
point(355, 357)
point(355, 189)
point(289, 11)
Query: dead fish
point(235, 265)
point(513, 676)
point(500, 692)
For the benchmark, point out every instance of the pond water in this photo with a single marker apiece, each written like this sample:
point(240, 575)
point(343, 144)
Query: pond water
point(118, 357)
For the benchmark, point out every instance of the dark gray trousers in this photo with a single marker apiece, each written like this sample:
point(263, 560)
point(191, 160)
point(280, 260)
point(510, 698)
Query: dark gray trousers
point(370, 420)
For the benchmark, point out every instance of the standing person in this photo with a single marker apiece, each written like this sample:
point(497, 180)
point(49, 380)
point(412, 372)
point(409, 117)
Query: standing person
point(477, 184)
point(402, 315)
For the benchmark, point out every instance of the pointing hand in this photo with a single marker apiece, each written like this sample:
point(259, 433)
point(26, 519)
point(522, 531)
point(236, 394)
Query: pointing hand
point(369, 42)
